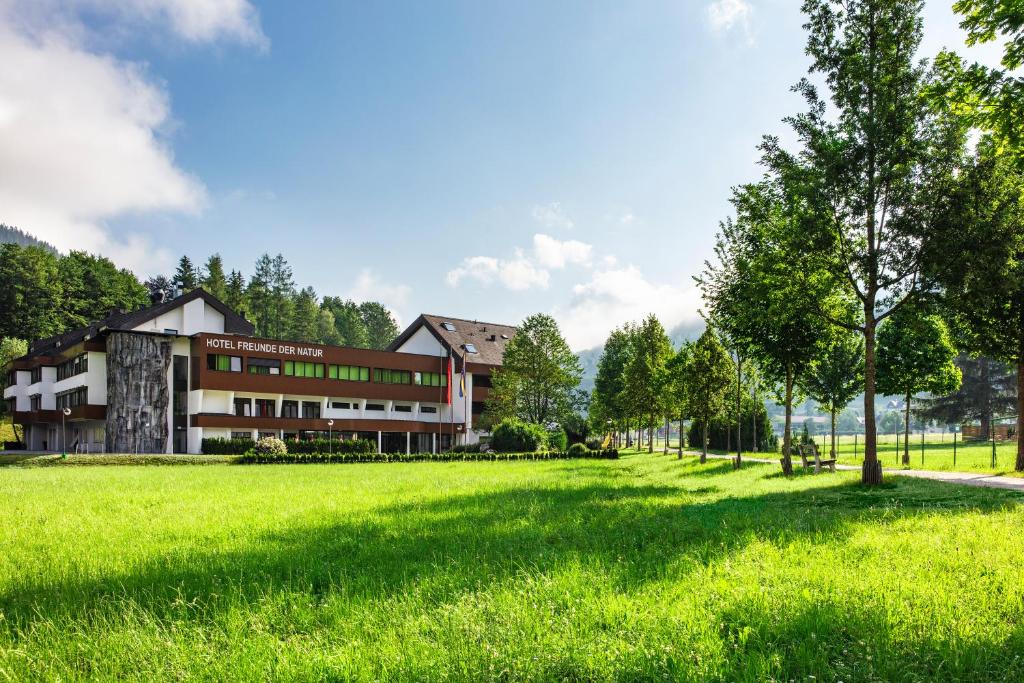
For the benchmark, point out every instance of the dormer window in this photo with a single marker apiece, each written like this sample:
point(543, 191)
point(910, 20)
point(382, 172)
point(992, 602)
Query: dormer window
point(448, 326)
point(470, 348)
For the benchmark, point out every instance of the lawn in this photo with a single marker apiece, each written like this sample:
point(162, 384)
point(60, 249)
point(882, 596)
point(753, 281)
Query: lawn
point(636, 569)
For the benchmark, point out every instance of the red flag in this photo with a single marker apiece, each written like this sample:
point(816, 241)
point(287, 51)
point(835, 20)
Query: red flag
point(448, 392)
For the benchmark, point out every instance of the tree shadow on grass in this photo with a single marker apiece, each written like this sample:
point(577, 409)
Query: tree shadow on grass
point(451, 545)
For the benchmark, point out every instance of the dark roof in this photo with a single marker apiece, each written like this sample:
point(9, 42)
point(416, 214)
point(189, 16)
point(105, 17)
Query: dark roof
point(489, 339)
point(128, 320)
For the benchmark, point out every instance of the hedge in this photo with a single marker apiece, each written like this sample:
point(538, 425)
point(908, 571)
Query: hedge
point(217, 446)
point(341, 458)
point(221, 446)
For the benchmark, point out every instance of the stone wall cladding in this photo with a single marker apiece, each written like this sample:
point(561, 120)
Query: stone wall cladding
point(137, 393)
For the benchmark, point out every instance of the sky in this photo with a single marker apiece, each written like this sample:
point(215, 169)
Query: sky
point(480, 160)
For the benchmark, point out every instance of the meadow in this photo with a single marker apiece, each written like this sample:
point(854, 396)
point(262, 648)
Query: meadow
point(635, 569)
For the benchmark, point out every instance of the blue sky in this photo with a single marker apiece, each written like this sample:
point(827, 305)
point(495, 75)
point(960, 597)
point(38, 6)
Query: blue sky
point(483, 160)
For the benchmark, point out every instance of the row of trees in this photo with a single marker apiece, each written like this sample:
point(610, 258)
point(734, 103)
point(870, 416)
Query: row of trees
point(880, 228)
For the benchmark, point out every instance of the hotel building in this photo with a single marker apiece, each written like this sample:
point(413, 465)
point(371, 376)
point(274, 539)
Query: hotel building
point(163, 378)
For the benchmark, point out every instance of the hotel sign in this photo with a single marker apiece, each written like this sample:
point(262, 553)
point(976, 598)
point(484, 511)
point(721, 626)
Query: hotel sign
point(264, 347)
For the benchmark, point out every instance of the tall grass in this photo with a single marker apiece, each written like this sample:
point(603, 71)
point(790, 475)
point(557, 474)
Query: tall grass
point(636, 569)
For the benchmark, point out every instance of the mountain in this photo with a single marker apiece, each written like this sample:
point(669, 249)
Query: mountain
point(689, 330)
point(12, 235)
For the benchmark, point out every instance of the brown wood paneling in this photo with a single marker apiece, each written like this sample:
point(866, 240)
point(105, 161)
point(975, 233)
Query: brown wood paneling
point(239, 422)
point(86, 412)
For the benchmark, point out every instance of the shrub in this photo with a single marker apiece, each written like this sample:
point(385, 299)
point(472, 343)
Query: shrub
point(577, 450)
point(220, 446)
point(253, 458)
point(594, 444)
point(557, 439)
point(516, 436)
point(336, 446)
point(270, 445)
point(466, 448)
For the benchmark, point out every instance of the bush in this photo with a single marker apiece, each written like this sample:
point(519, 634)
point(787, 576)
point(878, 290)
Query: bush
point(14, 446)
point(337, 446)
point(516, 436)
point(594, 444)
point(270, 445)
point(557, 439)
point(466, 448)
point(577, 450)
point(218, 446)
point(253, 458)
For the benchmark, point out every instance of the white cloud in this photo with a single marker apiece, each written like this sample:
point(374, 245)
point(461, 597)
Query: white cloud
point(725, 15)
point(552, 216)
point(83, 135)
point(552, 253)
point(370, 287)
point(614, 296)
point(516, 274)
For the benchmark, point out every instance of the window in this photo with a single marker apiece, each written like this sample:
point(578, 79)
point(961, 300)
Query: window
point(470, 348)
point(263, 366)
point(403, 409)
point(298, 368)
point(12, 378)
point(431, 379)
point(289, 408)
point(448, 326)
point(351, 373)
point(223, 363)
point(375, 406)
point(37, 375)
point(70, 368)
point(72, 398)
point(243, 407)
point(311, 410)
point(341, 405)
point(383, 376)
point(264, 435)
point(264, 407)
point(428, 410)
point(482, 381)
point(241, 435)
point(168, 330)
point(36, 402)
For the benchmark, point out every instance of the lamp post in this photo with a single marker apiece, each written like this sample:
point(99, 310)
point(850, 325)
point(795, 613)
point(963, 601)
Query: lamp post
point(330, 442)
point(64, 433)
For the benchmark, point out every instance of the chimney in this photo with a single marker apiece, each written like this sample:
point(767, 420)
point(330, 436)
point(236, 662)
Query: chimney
point(157, 297)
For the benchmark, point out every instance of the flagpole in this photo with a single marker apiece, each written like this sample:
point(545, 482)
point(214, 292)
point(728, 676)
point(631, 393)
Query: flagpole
point(451, 403)
point(440, 401)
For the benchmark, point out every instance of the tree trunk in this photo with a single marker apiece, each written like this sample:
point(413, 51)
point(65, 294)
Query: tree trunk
point(787, 433)
point(682, 437)
point(650, 435)
point(906, 432)
point(871, 470)
point(753, 420)
point(1019, 466)
point(833, 455)
point(668, 430)
point(704, 439)
point(739, 412)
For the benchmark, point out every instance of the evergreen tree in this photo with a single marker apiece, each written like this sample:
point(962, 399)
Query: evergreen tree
point(305, 316)
point(646, 377)
point(348, 322)
point(915, 354)
point(326, 332)
point(282, 297)
point(381, 328)
point(185, 277)
point(30, 292)
point(538, 377)
point(214, 280)
point(93, 287)
point(259, 297)
point(234, 293)
point(988, 387)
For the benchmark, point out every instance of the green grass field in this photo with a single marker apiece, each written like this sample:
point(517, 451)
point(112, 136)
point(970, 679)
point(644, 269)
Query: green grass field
point(638, 569)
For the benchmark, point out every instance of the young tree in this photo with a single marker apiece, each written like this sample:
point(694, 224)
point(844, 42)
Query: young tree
point(867, 175)
point(706, 375)
point(676, 389)
point(185, 277)
point(915, 354)
point(608, 400)
point(381, 328)
point(646, 375)
point(538, 377)
point(213, 280)
point(835, 375)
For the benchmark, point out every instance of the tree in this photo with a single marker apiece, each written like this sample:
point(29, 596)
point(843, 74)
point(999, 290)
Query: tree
point(978, 259)
point(646, 375)
point(305, 316)
point(234, 293)
point(915, 354)
point(258, 295)
point(282, 297)
point(381, 328)
point(707, 375)
point(10, 348)
point(987, 388)
point(835, 375)
point(755, 295)
point(213, 280)
point(326, 332)
point(185, 277)
point(538, 377)
point(92, 286)
point(676, 389)
point(30, 292)
point(608, 400)
point(868, 176)
point(348, 322)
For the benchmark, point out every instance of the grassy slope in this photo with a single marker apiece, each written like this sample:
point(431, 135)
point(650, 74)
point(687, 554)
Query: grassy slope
point(628, 570)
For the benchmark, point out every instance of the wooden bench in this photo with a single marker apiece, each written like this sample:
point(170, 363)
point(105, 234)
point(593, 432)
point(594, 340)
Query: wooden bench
point(809, 452)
